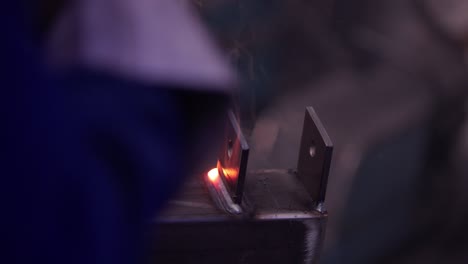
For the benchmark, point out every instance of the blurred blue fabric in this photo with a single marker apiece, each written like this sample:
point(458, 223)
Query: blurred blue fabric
point(63, 198)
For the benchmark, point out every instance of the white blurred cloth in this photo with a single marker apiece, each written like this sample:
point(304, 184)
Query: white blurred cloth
point(149, 40)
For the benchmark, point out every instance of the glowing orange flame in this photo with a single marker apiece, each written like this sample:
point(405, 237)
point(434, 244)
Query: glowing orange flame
point(213, 174)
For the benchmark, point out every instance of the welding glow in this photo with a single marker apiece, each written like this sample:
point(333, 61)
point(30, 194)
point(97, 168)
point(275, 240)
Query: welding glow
point(213, 174)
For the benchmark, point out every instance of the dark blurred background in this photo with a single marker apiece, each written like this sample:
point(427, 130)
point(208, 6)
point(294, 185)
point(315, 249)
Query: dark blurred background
point(99, 134)
point(389, 81)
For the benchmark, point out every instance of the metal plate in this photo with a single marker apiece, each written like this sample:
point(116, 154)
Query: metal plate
point(233, 158)
point(282, 229)
point(314, 157)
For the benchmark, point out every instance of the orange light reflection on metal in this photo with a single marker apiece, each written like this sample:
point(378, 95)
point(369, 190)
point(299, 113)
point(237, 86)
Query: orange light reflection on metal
point(213, 174)
point(230, 172)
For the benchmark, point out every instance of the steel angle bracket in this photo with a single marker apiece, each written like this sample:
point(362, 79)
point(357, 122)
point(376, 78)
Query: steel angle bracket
point(315, 157)
point(232, 160)
point(227, 191)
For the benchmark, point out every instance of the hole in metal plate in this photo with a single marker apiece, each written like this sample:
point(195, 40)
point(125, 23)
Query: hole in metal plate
point(312, 150)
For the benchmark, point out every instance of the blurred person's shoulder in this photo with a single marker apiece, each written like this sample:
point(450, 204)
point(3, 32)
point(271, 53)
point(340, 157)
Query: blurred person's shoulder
point(154, 41)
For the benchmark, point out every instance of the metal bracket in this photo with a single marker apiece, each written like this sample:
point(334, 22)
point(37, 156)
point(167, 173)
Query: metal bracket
point(315, 156)
point(232, 163)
